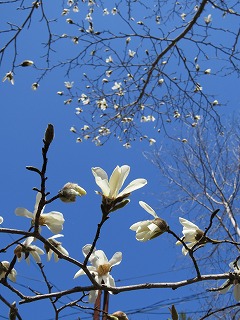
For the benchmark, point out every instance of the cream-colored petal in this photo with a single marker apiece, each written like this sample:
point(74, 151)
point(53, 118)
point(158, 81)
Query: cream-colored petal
point(103, 185)
point(101, 258)
point(22, 212)
point(116, 259)
point(117, 179)
point(92, 296)
point(188, 224)
point(134, 185)
point(146, 207)
point(99, 172)
point(1, 220)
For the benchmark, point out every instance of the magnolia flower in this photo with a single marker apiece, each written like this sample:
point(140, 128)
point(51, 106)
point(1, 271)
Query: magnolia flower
point(149, 229)
point(109, 59)
point(117, 85)
point(100, 268)
point(25, 249)
point(192, 234)
point(4, 266)
point(228, 284)
point(1, 220)
point(111, 187)
point(53, 220)
point(68, 84)
point(57, 245)
point(131, 53)
point(9, 77)
point(70, 191)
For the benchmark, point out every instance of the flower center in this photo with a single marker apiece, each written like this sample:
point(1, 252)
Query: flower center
point(103, 269)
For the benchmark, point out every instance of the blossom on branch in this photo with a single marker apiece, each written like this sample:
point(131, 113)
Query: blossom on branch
point(1, 220)
point(57, 245)
point(70, 191)
point(25, 249)
point(227, 285)
point(149, 229)
point(9, 77)
point(100, 268)
point(112, 198)
point(4, 266)
point(192, 234)
point(53, 220)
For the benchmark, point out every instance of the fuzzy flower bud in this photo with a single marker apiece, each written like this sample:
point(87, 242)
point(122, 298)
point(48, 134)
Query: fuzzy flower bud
point(69, 192)
point(27, 63)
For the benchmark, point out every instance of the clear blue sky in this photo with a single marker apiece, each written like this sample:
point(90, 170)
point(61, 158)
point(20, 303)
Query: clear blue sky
point(24, 118)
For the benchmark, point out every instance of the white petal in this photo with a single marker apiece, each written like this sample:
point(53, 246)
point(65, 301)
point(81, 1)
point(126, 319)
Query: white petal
point(114, 184)
point(146, 207)
point(141, 225)
point(116, 259)
point(36, 256)
point(56, 257)
point(236, 292)
point(103, 185)
point(143, 236)
point(101, 258)
point(22, 212)
point(225, 290)
point(56, 236)
point(111, 281)
point(28, 241)
point(49, 255)
point(38, 198)
point(86, 249)
point(92, 296)
point(1, 220)
point(81, 272)
point(134, 185)
point(63, 250)
point(99, 172)
point(117, 179)
point(188, 224)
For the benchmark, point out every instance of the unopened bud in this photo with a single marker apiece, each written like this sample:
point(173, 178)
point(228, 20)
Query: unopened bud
point(120, 315)
point(162, 227)
point(18, 251)
point(49, 134)
point(27, 63)
point(70, 191)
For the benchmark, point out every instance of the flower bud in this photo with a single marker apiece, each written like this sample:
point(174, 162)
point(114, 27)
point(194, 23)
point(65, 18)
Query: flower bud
point(13, 311)
point(49, 134)
point(26, 63)
point(162, 225)
point(69, 192)
point(118, 315)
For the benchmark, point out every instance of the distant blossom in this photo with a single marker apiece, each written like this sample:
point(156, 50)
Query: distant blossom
point(25, 249)
point(227, 285)
point(4, 266)
point(56, 244)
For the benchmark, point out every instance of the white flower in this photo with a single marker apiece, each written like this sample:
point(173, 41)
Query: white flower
point(114, 11)
point(117, 85)
point(53, 220)
point(192, 235)
point(102, 104)
point(131, 53)
point(25, 249)
point(183, 16)
point(110, 188)
point(9, 77)
point(68, 84)
point(149, 229)
point(105, 12)
point(65, 12)
point(227, 284)
point(108, 73)
point(208, 19)
point(100, 268)
point(215, 103)
point(1, 220)
point(57, 245)
point(152, 141)
point(4, 266)
point(109, 59)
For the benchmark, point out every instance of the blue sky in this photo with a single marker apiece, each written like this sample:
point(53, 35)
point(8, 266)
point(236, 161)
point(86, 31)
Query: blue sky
point(24, 118)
